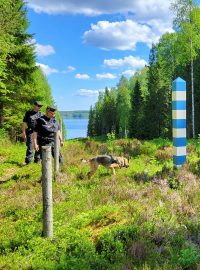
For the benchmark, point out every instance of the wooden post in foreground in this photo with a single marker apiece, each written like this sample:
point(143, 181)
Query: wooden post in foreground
point(47, 192)
point(61, 129)
point(56, 154)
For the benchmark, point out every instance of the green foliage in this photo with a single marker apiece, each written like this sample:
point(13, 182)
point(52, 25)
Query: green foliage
point(194, 163)
point(198, 144)
point(188, 257)
point(112, 244)
point(194, 158)
point(136, 116)
point(146, 217)
point(174, 183)
point(141, 219)
point(110, 139)
point(91, 123)
point(123, 107)
point(143, 107)
point(109, 112)
point(21, 82)
point(3, 134)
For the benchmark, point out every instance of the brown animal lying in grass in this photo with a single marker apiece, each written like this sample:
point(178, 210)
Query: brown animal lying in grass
point(107, 161)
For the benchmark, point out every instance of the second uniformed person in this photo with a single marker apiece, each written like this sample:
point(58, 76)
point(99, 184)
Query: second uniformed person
point(28, 126)
point(44, 131)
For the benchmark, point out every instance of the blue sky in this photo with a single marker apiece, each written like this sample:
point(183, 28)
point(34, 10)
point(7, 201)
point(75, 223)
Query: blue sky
point(84, 46)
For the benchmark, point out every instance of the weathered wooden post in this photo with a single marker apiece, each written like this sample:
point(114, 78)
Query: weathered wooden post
point(56, 154)
point(179, 121)
point(47, 192)
point(61, 129)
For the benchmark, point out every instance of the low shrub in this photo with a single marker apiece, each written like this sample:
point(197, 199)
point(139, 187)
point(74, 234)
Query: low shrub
point(112, 244)
point(188, 257)
point(127, 147)
point(194, 164)
point(174, 183)
point(106, 222)
point(103, 149)
point(165, 153)
point(3, 134)
point(91, 146)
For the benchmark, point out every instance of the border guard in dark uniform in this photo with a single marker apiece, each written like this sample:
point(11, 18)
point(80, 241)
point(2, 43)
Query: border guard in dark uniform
point(44, 131)
point(28, 126)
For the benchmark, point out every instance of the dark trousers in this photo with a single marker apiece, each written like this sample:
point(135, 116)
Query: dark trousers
point(30, 149)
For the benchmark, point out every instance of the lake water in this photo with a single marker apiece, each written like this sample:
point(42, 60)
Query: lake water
point(76, 128)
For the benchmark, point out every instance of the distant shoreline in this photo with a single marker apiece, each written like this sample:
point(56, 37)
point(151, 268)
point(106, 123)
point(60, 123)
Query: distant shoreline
point(78, 114)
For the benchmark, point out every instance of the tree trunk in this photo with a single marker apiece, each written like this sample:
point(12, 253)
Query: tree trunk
point(192, 85)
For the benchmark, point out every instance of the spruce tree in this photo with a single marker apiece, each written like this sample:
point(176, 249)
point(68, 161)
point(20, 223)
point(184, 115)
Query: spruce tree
point(152, 107)
point(91, 123)
point(109, 112)
point(18, 65)
point(123, 107)
point(136, 112)
point(98, 113)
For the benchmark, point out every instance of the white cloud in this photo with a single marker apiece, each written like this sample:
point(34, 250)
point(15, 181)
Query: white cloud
point(140, 8)
point(87, 92)
point(44, 50)
point(82, 76)
point(124, 35)
point(105, 76)
point(128, 61)
point(46, 69)
point(69, 69)
point(152, 9)
point(145, 20)
point(128, 72)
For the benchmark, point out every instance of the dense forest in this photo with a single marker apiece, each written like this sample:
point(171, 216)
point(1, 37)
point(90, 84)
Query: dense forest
point(141, 106)
point(138, 107)
point(145, 217)
point(21, 81)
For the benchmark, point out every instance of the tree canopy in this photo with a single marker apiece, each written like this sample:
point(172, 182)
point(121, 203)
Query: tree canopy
point(21, 81)
point(143, 103)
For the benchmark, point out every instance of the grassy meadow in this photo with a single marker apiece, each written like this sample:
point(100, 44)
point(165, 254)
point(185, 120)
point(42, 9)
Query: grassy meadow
point(145, 217)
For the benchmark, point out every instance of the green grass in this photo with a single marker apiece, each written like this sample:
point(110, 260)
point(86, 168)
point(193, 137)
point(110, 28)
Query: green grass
point(146, 217)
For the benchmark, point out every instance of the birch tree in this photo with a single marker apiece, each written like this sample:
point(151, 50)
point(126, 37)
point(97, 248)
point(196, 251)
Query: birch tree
point(187, 24)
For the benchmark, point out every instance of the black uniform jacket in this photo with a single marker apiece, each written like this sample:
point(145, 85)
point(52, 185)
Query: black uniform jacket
point(30, 119)
point(45, 128)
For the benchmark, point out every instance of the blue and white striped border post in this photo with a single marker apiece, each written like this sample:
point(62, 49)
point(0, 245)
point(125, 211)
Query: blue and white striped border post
point(179, 121)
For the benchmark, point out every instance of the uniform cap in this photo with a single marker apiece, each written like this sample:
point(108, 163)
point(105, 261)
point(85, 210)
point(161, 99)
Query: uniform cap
point(38, 103)
point(51, 108)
